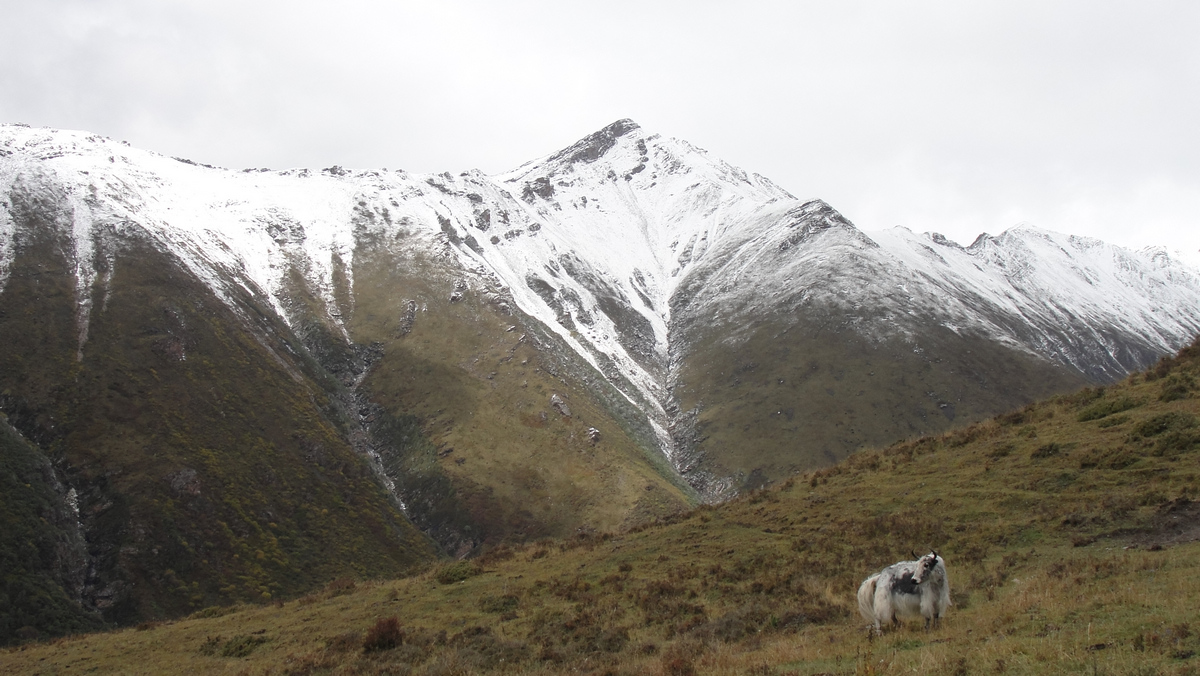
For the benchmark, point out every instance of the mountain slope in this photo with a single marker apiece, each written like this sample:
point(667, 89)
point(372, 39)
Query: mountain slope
point(205, 455)
point(1068, 530)
point(673, 271)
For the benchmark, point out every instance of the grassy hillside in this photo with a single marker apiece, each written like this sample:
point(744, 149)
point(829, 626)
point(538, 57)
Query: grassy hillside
point(805, 391)
point(462, 408)
point(203, 448)
point(1068, 527)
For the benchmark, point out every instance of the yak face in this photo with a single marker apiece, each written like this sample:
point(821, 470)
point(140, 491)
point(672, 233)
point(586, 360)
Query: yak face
point(925, 566)
point(906, 584)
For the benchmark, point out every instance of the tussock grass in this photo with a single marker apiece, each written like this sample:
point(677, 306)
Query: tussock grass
point(1083, 560)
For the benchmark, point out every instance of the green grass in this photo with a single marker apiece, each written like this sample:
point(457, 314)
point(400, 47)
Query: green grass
point(1058, 564)
point(801, 393)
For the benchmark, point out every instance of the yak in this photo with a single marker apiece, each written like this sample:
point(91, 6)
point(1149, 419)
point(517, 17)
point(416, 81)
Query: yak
point(906, 590)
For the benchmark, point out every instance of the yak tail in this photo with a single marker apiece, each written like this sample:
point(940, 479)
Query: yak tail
point(945, 591)
point(866, 598)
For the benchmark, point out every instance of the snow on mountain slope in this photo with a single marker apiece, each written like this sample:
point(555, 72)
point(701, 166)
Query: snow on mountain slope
point(215, 220)
point(1100, 308)
point(622, 244)
point(614, 224)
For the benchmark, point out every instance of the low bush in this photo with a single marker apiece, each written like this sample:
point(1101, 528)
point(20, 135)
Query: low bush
point(1172, 421)
point(457, 572)
point(238, 646)
point(499, 604)
point(1105, 408)
point(1176, 386)
point(385, 635)
point(1047, 450)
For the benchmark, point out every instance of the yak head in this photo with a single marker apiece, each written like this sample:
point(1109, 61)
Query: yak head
point(925, 566)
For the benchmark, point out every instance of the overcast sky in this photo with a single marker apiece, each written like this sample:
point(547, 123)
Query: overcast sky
point(952, 117)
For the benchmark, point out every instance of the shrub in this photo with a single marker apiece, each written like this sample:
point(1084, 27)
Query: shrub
point(678, 666)
point(385, 635)
point(1118, 458)
point(1047, 450)
point(1176, 432)
point(1113, 421)
point(339, 586)
point(499, 604)
point(1104, 409)
point(1001, 450)
point(344, 642)
point(1162, 423)
point(1176, 386)
point(479, 648)
point(735, 625)
point(1176, 441)
point(496, 555)
point(677, 660)
point(1085, 396)
point(457, 572)
point(242, 645)
point(958, 439)
point(211, 645)
point(238, 646)
point(1012, 419)
point(1160, 370)
point(577, 590)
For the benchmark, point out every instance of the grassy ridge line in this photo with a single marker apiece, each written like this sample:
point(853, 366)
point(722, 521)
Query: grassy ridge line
point(1065, 526)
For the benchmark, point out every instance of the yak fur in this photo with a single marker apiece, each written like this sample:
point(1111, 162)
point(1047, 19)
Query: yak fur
point(906, 590)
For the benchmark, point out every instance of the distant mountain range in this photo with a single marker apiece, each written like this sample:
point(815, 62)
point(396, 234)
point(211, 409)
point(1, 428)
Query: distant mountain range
point(239, 384)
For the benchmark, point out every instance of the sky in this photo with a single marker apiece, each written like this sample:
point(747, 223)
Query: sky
point(950, 117)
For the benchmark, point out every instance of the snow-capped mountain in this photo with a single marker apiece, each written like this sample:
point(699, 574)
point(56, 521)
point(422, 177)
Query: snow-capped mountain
point(650, 263)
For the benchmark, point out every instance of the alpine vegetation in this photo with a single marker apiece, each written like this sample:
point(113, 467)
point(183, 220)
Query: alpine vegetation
point(1081, 560)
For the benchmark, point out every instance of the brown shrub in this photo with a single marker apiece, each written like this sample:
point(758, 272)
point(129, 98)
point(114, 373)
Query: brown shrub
point(385, 635)
point(343, 643)
point(339, 587)
point(496, 555)
point(678, 666)
point(457, 572)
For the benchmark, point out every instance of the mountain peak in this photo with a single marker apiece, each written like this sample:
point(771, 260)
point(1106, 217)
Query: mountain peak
point(621, 127)
point(593, 146)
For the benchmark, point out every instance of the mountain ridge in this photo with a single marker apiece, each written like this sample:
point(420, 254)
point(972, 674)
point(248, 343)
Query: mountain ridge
point(607, 240)
point(597, 339)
